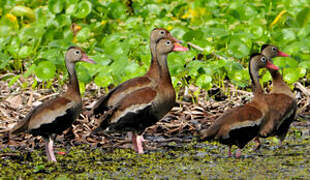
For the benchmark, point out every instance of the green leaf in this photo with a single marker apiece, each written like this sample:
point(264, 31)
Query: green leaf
point(82, 87)
point(38, 168)
point(82, 74)
point(117, 10)
point(204, 81)
point(29, 71)
point(83, 34)
point(103, 79)
point(28, 33)
point(13, 47)
point(56, 6)
point(23, 11)
point(305, 64)
point(303, 17)
point(238, 49)
point(266, 77)
point(102, 59)
point(301, 71)
point(291, 76)
point(53, 55)
point(193, 35)
point(45, 70)
point(63, 20)
point(83, 9)
point(13, 80)
point(24, 52)
point(44, 17)
point(61, 177)
point(4, 60)
point(288, 35)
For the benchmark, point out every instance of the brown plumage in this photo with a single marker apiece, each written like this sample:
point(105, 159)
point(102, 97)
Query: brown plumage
point(54, 116)
point(140, 102)
point(281, 101)
point(240, 125)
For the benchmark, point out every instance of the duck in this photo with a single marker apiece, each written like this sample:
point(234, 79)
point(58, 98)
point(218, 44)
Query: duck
point(54, 116)
point(281, 100)
point(140, 102)
point(241, 124)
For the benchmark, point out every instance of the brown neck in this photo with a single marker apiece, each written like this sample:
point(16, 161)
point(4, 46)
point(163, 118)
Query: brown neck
point(276, 76)
point(73, 86)
point(278, 85)
point(253, 70)
point(154, 69)
point(163, 66)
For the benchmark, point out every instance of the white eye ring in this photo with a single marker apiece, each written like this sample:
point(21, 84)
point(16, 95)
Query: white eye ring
point(168, 43)
point(263, 59)
point(77, 52)
point(162, 32)
point(274, 49)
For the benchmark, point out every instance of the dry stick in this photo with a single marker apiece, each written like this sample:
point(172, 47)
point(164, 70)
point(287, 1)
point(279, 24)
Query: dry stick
point(201, 49)
point(306, 92)
point(29, 103)
point(302, 88)
point(45, 97)
point(8, 154)
point(7, 74)
point(242, 92)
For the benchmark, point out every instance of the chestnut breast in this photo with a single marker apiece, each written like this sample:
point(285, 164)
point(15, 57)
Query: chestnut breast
point(165, 99)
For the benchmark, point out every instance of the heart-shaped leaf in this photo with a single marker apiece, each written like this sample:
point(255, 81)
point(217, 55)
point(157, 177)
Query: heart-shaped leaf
point(45, 70)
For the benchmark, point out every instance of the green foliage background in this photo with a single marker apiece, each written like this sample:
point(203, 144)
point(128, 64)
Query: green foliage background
point(35, 33)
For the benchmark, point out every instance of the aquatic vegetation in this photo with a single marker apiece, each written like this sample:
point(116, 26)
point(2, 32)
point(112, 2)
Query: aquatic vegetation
point(173, 160)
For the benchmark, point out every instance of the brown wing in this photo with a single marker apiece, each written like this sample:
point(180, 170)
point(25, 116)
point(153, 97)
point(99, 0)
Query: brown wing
point(237, 126)
point(116, 94)
point(44, 114)
point(133, 111)
point(281, 109)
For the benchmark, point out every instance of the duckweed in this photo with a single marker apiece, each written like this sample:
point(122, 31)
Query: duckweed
point(183, 161)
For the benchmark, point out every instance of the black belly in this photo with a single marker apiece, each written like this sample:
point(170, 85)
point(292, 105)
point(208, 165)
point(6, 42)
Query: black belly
point(134, 121)
point(240, 137)
point(57, 126)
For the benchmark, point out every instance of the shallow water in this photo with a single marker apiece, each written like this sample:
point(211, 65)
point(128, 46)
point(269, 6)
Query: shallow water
point(169, 161)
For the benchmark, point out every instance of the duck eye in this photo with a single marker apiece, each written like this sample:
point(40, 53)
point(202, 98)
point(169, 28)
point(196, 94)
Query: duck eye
point(274, 49)
point(168, 43)
point(162, 32)
point(263, 59)
point(77, 52)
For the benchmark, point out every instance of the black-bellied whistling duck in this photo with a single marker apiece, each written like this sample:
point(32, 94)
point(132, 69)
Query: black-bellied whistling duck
point(140, 102)
point(281, 101)
point(240, 125)
point(139, 82)
point(54, 116)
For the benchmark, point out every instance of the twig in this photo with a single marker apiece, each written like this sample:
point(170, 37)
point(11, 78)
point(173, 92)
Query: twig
point(201, 49)
point(45, 97)
point(302, 88)
point(8, 154)
point(307, 93)
point(7, 74)
point(183, 102)
point(240, 91)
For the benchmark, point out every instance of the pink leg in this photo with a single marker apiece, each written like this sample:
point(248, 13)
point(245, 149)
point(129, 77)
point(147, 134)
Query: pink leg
point(137, 143)
point(140, 140)
point(49, 150)
point(229, 151)
point(238, 153)
point(46, 150)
